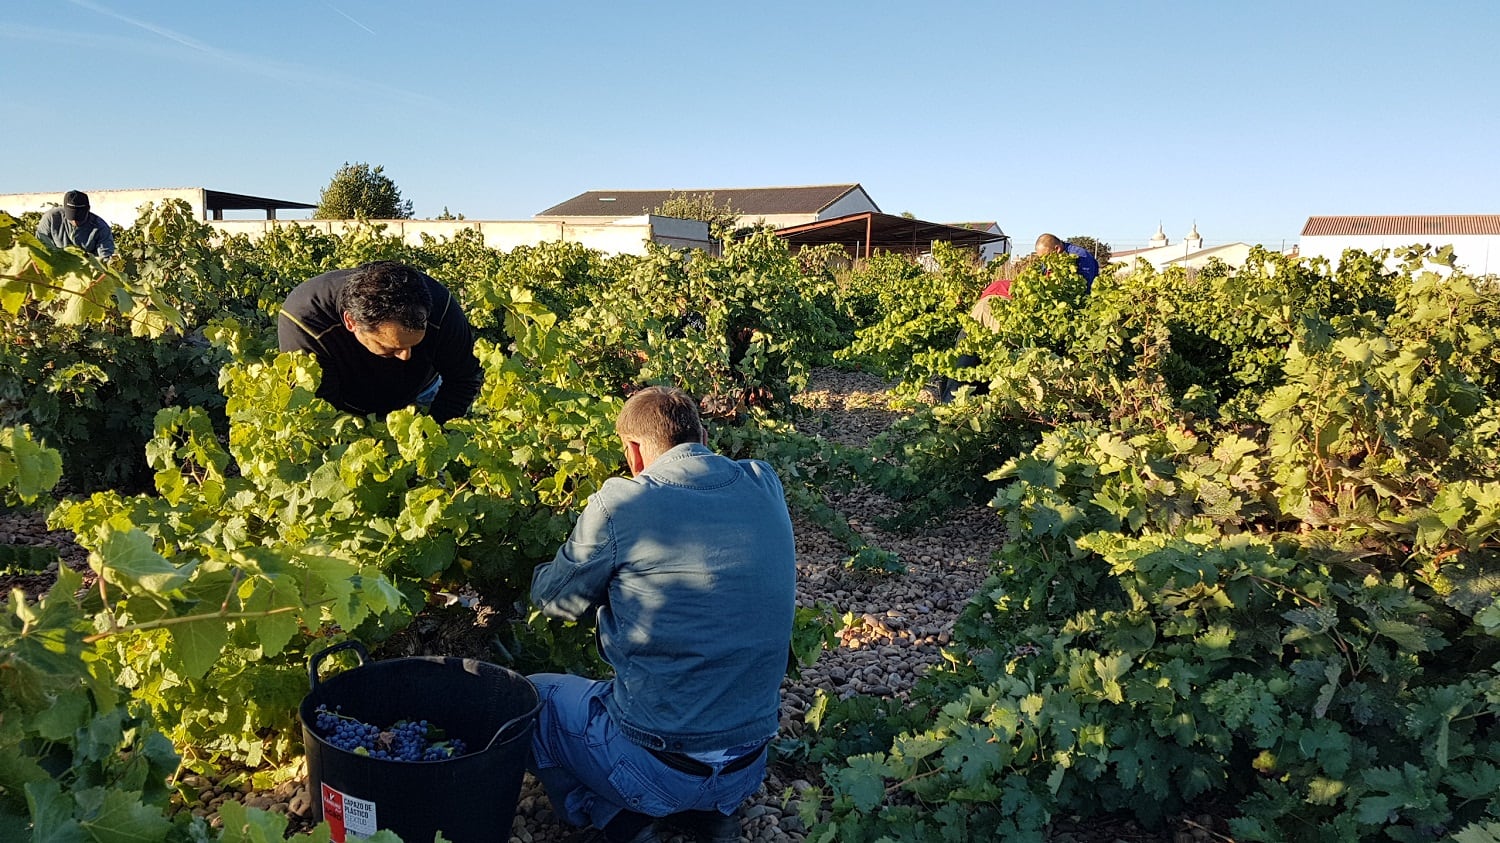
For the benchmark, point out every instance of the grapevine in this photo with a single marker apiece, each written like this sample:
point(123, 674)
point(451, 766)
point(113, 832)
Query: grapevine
point(1252, 519)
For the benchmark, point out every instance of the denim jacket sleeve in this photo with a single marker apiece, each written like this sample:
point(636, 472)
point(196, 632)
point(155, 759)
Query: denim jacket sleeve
point(577, 579)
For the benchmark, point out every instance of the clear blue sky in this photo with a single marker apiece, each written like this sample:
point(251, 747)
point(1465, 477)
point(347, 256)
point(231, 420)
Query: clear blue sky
point(1099, 118)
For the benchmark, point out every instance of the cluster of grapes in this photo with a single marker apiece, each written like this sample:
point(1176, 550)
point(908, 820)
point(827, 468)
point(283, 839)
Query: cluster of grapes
point(407, 740)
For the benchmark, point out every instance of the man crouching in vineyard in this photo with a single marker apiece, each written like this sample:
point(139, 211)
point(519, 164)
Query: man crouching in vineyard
point(691, 569)
point(387, 336)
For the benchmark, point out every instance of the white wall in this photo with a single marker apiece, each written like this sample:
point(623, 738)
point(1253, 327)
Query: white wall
point(853, 202)
point(117, 207)
point(1178, 254)
point(1478, 254)
point(1233, 254)
point(627, 236)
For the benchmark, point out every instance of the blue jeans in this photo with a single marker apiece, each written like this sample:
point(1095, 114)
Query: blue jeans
point(592, 772)
point(424, 398)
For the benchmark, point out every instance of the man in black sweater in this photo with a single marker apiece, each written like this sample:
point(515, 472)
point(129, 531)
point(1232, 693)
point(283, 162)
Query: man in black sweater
point(387, 336)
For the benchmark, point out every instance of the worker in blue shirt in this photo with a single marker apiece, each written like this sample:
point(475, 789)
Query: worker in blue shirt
point(1051, 244)
point(74, 224)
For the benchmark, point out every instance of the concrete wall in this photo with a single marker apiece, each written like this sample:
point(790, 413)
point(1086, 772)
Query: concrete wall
point(117, 207)
point(627, 236)
point(1478, 254)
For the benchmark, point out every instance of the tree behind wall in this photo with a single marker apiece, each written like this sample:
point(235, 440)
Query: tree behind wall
point(359, 190)
point(721, 219)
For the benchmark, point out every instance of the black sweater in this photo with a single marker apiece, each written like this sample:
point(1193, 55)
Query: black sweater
point(358, 381)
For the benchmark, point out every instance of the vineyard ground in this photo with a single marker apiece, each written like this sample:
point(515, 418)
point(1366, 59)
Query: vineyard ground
point(902, 622)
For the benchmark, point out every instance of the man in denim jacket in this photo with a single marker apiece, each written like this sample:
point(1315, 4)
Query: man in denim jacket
point(691, 569)
point(74, 224)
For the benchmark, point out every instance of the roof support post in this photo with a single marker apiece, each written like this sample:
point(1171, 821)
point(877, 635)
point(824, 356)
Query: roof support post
point(869, 234)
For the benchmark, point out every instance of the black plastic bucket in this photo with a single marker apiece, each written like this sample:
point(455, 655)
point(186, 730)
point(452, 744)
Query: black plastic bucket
point(470, 798)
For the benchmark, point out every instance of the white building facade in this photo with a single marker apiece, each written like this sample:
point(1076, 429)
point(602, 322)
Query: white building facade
point(1475, 238)
point(1189, 252)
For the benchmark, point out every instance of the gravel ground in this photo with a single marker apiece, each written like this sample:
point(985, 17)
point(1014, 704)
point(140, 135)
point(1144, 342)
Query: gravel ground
point(902, 623)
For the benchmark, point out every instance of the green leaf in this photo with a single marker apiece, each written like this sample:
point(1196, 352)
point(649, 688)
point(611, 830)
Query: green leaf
point(129, 559)
point(250, 825)
point(115, 816)
point(274, 631)
point(1406, 636)
point(1109, 670)
point(975, 753)
point(1390, 791)
point(1486, 832)
point(199, 643)
point(36, 468)
point(863, 780)
point(52, 814)
point(1281, 399)
point(66, 714)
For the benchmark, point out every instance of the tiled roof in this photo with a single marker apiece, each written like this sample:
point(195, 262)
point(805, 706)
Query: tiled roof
point(1441, 225)
point(749, 201)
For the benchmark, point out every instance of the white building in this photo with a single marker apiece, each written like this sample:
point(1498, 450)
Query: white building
point(619, 235)
point(1475, 238)
point(1189, 253)
point(988, 251)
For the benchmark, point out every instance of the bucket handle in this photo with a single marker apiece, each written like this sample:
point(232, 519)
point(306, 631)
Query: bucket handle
point(525, 718)
point(317, 660)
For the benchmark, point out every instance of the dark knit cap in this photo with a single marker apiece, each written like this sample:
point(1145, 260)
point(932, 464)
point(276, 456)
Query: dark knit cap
point(76, 205)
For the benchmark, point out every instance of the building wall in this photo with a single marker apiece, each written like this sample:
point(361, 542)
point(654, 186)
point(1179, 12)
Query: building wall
point(1178, 254)
point(117, 207)
point(853, 202)
point(1234, 254)
point(1479, 254)
point(627, 236)
point(990, 251)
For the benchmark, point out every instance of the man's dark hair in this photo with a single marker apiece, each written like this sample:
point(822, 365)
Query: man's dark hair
point(386, 291)
point(663, 416)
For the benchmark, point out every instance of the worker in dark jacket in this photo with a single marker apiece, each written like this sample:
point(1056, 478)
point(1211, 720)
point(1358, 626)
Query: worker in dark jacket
point(387, 336)
point(75, 225)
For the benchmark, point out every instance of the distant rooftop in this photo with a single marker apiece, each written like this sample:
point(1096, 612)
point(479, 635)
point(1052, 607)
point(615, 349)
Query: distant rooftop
point(748, 201)
point(1439, 225)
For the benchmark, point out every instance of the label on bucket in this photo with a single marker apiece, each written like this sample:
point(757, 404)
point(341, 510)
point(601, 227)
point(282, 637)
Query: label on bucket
point(347, 815)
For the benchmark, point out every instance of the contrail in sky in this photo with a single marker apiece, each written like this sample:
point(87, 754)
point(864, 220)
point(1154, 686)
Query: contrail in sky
point(282, 71)
point(149, 27)
point(350, 18)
